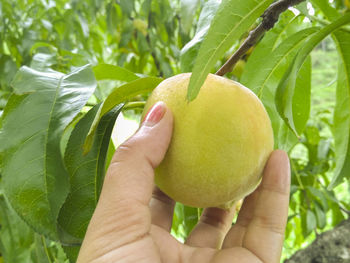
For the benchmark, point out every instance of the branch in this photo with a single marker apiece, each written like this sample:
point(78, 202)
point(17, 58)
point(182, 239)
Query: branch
point(330, 246)
point(344, 210)
point(270, 17)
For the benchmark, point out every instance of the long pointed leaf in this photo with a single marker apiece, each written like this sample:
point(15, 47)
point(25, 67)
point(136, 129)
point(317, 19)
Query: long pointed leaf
point(112, 72)
point(16, 238)
point(117, 96)
point(341, 118)
point(342, 111)
point(187, 9)
point(86, 173)
point(34, 177)
point(190, 50)
point(262, 76)
point(257, 79)
point(231, 20)
point(302, 96)
point(285, 90)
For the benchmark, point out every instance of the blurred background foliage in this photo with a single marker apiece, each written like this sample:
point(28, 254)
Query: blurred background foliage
point(161, 38)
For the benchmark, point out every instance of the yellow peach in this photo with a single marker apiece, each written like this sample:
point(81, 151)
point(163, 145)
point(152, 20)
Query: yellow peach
point(220, 144)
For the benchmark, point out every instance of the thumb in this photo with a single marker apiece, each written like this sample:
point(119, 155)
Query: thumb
point(122, 213)
point(131, 172)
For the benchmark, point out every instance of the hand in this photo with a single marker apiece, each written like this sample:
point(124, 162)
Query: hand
point(130, 224)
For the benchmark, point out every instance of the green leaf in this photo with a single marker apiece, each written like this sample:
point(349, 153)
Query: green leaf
point(8, 68)
point(86, 174)
point(43, 62)
point(267, 79)
point(16, 237)
point(259, 70)
point(186, 218)
point(262, 75)
point(117, 96)
point(110, 153)
point(111, 72)
point(128, 29)
point(127, 6)
point(40, 253)
point(302, 95)
point(190, 50)
point(231, 20)
point(72, 253)
point(178, 219)
point(286, 139)
point(309, 223)
point(318, 194)
point(34, 177)
point(341, 118)
point(337, 215)
point(190, 218)
point(286, 88)
point(320, 216)
point(112, 18)
point(330, 12)
point(187, 11)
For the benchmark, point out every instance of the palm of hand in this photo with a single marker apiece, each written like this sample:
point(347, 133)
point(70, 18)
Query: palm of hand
point(197, 249)
point(137, 229)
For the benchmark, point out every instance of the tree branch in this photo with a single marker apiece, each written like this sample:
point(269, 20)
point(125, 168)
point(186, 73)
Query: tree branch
point(269, 18)
point(330, 246)
point(344, 210)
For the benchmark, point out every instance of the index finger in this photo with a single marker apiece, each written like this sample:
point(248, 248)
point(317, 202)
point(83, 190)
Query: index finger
point(265, 233)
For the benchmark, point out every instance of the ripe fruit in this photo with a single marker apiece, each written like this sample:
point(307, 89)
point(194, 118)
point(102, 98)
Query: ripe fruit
point(220, 144)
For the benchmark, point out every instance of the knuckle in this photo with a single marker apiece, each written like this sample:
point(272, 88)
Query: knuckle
point(266, 222)
point(244, 220)
point(125, 149)
point(125, 152)
point(218, 219)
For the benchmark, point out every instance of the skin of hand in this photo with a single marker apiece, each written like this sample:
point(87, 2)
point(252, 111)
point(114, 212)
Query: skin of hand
point(133, 218)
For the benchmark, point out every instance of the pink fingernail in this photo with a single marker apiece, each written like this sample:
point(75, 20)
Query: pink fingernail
point(155, 114)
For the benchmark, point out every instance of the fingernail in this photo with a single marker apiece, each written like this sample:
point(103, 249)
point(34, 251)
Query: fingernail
point(155, 114)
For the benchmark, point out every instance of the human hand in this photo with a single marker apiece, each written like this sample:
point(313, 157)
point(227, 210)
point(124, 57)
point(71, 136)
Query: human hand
point(132, 222)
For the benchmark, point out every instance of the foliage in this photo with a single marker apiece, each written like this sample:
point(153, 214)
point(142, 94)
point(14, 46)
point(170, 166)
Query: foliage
point(68, 68)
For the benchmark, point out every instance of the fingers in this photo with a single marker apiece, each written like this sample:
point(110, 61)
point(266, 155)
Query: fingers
point(130, 175)
point(236, 234)
point(265, 233)
point(211, 228)
point(162, 208)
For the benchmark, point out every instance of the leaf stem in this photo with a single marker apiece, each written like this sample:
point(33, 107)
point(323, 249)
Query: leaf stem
point(269, 18)
point(134, 104)
point(45, 248)
point(297, 174)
